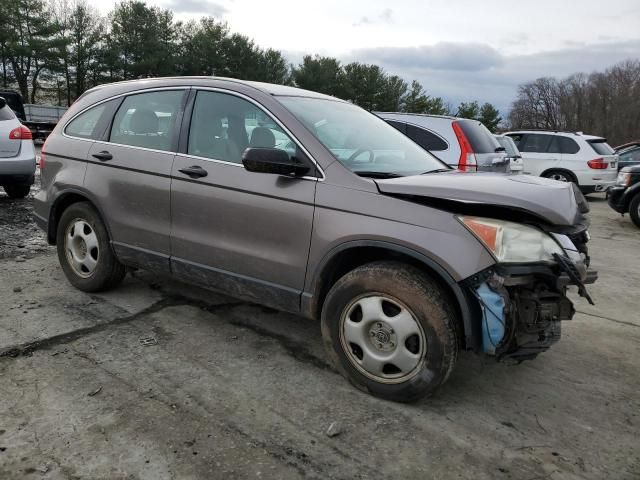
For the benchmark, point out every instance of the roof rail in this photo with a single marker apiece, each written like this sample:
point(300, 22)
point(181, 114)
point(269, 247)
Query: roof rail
point(550, 130)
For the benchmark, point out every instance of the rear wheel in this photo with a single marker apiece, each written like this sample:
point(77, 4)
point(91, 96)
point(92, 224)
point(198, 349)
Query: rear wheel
point(561, 176)
point(634, 210)
point(389, 329)
point(84, 250)
point(17, 191)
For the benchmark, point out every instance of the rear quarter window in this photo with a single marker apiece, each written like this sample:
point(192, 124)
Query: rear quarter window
point(601, 147)
point(427, 140)
point(481, 139)
point(6, 114)
point(86, 124)
point(401, 127)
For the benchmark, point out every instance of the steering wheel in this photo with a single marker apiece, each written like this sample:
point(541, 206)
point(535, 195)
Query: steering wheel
point(360, 151)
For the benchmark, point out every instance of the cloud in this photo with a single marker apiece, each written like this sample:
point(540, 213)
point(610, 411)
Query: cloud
point(202, 7)
point(386, 16)
point(463, 72)
point(441, 56)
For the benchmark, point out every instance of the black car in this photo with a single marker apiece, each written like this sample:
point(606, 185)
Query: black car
point(628, 154)
point(625, 195)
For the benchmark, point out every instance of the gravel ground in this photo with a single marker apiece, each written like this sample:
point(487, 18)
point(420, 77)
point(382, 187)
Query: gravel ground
point(159, 380)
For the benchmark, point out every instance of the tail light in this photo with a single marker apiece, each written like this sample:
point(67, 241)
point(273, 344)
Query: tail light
point(467, 161)
point(598, 164)
point(20, 133)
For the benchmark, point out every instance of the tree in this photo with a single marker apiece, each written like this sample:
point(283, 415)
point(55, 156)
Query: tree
point(24, 31)
point(320, 74)
point(391, 94)
point(142, 41)
point(272, 67)
point(468, 110)
point(361, 84)
point(417, 101)
point(201, 50)
point(490, 117)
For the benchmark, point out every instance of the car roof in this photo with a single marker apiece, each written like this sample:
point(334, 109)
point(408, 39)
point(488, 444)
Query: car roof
point(557, 132)
point(268, 88)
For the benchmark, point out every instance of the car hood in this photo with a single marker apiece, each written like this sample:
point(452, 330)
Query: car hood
point(553, 202)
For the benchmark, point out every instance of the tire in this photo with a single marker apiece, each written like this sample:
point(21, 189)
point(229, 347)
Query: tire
point(17, 191)
point(429, 340)
point(81, 230)
point(561, 176)
point(634, 210)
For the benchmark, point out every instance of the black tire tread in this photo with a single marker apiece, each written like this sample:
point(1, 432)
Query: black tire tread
point(633, 210)
point(17, 191)
point(431, 295)
point(110, 271)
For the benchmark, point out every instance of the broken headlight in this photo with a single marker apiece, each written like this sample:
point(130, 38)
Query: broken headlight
point(512, 242)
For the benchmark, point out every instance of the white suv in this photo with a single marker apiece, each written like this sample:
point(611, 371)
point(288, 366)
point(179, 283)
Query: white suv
point(585, 160)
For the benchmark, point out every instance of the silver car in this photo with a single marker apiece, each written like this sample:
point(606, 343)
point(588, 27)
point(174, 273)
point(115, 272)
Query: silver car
point(17, 154)
point(459, 142)
point(312, 205)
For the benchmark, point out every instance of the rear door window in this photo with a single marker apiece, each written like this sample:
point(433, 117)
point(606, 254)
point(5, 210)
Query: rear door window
point(426, 139)
point(601, 147)
point(535, 143)
point(147, 120)
point(481, 139)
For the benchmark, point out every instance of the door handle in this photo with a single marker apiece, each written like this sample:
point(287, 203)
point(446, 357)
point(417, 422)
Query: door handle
point(103, 156)
point(194, 171)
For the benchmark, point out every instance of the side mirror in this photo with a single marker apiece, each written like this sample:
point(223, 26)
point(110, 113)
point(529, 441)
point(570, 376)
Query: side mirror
point(3, 102)
point(272, 160)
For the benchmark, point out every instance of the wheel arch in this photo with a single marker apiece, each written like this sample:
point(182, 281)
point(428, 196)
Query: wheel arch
point(561, 170)
point(63, 201)
point(350, 255)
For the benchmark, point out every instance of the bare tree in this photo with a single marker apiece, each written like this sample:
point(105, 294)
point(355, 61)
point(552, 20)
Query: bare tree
point(604, 103)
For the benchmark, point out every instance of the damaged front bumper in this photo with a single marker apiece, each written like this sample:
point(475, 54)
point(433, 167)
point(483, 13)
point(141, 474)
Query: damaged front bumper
point(521, 306)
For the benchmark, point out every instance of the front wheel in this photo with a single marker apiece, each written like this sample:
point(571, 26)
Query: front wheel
point(634, 210)
point(17, 191)
point(390, 330)
point(84, 250)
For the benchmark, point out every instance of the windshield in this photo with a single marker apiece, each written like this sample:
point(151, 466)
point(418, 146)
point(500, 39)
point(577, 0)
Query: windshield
point(362, 142)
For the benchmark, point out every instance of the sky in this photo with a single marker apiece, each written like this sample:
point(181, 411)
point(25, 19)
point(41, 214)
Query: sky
point(460, 50)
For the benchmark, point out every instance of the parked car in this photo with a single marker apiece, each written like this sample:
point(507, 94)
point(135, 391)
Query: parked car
point(349, 222)
point(40, 119)
point(516, 165)
point(625, 195)
point(459, 142)
point(628, 154)
point(17, 154)
point(586, 160)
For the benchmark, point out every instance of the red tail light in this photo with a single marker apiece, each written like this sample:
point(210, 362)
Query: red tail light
point(598, 164)
point(467, 161)
point(20, 133)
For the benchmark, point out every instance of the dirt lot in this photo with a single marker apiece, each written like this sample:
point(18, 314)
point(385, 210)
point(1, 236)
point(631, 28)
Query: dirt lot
point(159, 380)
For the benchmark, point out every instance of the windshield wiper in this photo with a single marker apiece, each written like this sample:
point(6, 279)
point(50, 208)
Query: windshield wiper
point(437, 170)
point(373, 174)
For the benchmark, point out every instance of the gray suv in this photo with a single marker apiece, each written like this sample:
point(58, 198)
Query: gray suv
point(311, 205)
